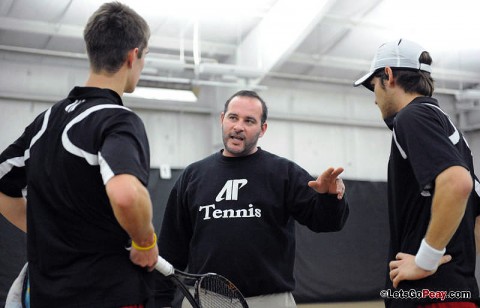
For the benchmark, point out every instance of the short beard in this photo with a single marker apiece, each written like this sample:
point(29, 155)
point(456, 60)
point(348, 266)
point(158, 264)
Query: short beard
point(247, 150)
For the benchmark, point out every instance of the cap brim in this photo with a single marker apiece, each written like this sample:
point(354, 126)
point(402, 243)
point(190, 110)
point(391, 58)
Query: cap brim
point(363, 79)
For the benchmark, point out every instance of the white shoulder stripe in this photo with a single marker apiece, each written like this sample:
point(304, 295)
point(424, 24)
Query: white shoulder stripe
point(7, 165)
point(35, 138)
point(402, 152)
point(92, 159)
point(455, 137)
point(105, 169)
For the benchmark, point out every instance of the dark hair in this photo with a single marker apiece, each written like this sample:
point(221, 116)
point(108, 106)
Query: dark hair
point(411, 80)
point(111, 32)
point(252, 94)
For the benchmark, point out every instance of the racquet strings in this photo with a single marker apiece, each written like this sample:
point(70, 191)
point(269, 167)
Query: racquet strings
point(217, 291)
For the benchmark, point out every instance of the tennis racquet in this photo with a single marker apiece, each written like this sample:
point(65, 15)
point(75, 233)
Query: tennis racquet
point(210, 290)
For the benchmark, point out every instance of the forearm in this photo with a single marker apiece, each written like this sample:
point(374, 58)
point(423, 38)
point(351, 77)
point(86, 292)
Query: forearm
point(337, 212)
point(132, 208)
point(452, 190)
point(14, 210)
point(137, 219)
point(453, 187)
point(324, 213)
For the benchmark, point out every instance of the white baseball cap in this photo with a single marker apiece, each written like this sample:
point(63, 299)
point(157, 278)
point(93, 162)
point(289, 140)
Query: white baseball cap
point(396, 54)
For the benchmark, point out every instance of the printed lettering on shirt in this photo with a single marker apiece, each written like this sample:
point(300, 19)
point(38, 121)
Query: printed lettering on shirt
point(230, 192)
point(210, 212)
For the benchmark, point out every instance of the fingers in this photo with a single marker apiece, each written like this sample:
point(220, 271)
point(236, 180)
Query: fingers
point(393, 265)
point(328, 182)
point(396, 281)
point(332, 173)
point(146, 259)
point(152, 260)
point(395, 269)
point(340, 188)
point(312, 184)
point(394, 274)
point(445, 259)
point(336, 172)
point(327, 174)
point(152, 267)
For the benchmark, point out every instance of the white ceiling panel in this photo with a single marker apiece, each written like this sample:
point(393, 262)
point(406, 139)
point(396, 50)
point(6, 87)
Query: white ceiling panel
point(336, 48)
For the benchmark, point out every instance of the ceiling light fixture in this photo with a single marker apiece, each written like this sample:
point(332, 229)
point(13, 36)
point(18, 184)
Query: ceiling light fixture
point(163, 94)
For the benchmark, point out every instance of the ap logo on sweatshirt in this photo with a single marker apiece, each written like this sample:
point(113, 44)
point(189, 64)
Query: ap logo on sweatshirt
point(230, 190)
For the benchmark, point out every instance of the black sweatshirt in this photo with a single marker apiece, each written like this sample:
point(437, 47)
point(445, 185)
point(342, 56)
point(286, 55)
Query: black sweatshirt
point(235, 216)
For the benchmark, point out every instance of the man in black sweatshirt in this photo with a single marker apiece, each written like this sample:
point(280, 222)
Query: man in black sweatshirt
point(233, 212)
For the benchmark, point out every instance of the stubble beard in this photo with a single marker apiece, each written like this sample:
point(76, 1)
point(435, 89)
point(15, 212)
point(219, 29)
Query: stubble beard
point(248, 146)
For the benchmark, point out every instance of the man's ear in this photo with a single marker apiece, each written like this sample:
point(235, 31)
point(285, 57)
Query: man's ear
point(389, 75)
point(131, 56)
point(264, 129)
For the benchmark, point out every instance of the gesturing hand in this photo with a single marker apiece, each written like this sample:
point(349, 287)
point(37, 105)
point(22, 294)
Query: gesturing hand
point(329, 182)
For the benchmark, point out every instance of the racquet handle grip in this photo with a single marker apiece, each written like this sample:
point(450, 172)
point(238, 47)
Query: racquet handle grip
point(164, 267)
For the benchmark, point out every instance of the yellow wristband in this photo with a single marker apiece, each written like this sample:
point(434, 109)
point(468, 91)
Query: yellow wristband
point(137, 247)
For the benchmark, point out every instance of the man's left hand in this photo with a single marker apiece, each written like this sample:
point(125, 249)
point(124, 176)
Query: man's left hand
point(405, 268)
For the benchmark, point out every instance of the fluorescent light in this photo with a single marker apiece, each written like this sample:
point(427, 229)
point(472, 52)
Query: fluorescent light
point(164, 94)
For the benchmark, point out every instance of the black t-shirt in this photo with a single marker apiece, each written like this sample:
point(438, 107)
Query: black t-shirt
point(425, 142)
point(76, 248)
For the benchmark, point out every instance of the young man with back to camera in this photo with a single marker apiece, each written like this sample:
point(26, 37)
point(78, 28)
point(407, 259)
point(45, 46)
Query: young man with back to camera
point(234, 212)
point(85, 163)
point(432, 204)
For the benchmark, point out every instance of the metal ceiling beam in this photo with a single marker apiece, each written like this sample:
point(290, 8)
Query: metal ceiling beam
point(279, 33)
point(364, 65)
point(76, 32)
point(37, 27)
point(153, 63)
point(341, 81)
point(244, 68)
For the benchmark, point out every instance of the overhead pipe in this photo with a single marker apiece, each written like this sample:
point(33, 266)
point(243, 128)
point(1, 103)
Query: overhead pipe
point(214, 69)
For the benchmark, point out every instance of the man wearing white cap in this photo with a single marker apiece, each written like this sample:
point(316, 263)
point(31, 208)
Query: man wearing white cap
point(432, 201)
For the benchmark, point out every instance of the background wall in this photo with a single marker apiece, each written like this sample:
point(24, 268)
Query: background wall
point(317, 125)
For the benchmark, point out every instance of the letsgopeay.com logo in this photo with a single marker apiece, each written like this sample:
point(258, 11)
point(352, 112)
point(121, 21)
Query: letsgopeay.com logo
point(424, 293)
point(229, 192)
